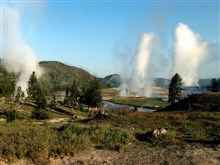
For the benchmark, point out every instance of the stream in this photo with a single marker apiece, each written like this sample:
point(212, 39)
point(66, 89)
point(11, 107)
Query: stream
point(111, 105)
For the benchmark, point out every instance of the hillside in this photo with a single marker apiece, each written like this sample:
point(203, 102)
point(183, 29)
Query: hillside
point(197, 102)
point(113, 80)
point(57, 76)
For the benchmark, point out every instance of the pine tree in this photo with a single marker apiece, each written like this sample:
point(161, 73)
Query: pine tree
point(175, 88)
point(71, 95)
point(19, 94)
point(53, 102)
point(92, 95)
point(215, 85)
point(35, 92)
point(33, 86)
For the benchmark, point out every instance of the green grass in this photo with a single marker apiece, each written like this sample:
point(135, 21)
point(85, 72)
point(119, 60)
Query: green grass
point(152, 102)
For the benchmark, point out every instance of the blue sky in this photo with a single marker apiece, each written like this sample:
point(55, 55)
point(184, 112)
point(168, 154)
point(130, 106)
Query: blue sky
point(92, 34)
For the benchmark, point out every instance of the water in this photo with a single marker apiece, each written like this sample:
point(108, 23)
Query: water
point(110, 105)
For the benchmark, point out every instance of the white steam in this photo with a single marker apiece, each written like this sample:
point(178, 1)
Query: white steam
point(189, 52)
point(138, 80)
point(17, 56)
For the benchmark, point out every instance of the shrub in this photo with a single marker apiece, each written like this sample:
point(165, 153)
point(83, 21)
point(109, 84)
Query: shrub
point(71, 138)
point(39, 114)
point(11, 115)
point(110, 138)
point(25, 141)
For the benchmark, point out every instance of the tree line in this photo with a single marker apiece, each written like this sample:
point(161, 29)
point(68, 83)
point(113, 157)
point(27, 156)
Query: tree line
point(87, 93)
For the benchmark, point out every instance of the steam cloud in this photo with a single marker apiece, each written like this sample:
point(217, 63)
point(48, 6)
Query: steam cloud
point(138, 80)
point(17, 56)
point(189, 58)
point(189, 52)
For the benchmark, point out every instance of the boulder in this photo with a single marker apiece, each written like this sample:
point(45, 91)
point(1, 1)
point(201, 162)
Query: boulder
point(159, 132)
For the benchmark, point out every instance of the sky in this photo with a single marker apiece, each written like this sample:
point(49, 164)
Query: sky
point(98, 35)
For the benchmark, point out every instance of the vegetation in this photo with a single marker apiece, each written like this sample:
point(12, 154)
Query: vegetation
point(91, 94)
point(175, 88)
point(72, 94)
point(22, 139)
point(35, 92)
point(59, 76)
point(38, 142)
point(109, 93)
point(215, 85)
point(40, 132)
point(11, 115)
point(7, 82)
point(19, 95)
point(39, 114)
point(197, 102)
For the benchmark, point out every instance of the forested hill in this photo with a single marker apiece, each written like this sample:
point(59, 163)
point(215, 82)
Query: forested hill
point(57, 76)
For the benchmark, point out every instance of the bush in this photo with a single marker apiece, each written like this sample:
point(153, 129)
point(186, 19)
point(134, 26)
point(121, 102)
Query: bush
point(71, 138)
point(11, 115)
point(25, 141)
point(39, 114)
point(110, 138)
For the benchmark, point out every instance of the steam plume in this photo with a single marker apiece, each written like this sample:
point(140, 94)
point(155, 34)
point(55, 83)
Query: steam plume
point(18, 57)
point(138, 81)
point(189, 52)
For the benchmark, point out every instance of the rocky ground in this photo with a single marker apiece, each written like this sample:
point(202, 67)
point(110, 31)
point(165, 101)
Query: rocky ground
point(143, 153)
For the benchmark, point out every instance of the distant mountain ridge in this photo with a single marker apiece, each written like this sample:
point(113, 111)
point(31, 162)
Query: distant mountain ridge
point(114, 80)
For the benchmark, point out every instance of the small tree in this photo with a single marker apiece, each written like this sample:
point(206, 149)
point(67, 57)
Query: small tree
point(175, 88)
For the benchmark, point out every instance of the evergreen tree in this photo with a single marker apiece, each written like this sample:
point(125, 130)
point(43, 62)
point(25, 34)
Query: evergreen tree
point(53, 102)
point(175, 88)
point(40, 99)
point(35, 92)
point(215, 85)
point(92, 95)
point(33, 86)
point(7, 82)
point(72, 94)
point(19, 94)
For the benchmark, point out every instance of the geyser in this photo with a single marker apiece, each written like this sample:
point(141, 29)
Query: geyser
point(17, 56)
point(189, 52)
point(138, 81)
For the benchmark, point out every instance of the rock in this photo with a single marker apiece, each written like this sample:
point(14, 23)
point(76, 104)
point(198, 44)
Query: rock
point(159, 132)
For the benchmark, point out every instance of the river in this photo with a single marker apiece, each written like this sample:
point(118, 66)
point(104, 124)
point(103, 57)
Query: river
point(111, 105)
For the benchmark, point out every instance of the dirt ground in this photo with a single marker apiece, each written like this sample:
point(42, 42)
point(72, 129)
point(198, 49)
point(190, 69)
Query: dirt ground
point(139, 154)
